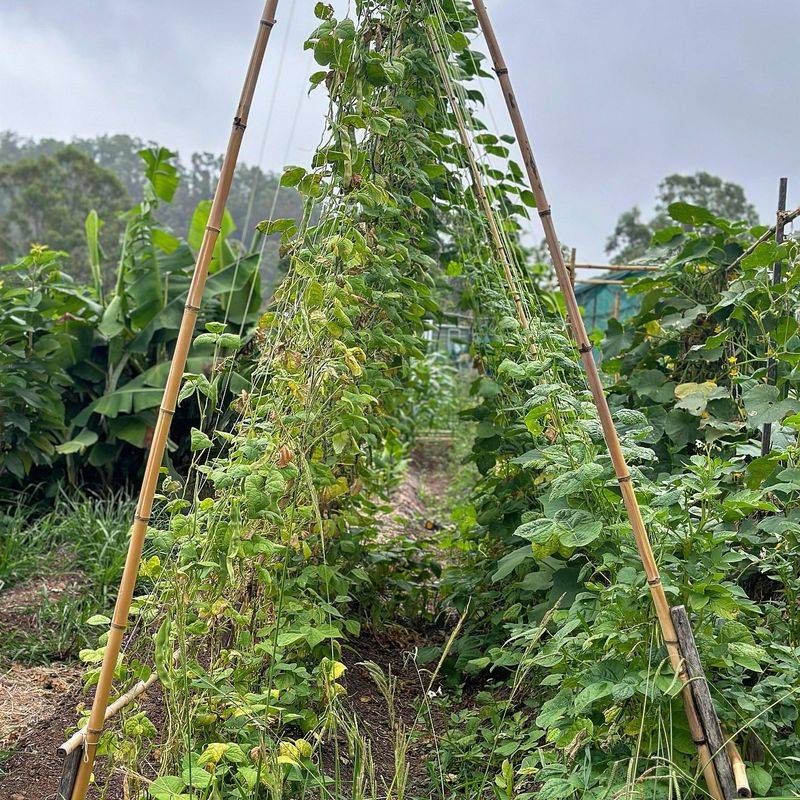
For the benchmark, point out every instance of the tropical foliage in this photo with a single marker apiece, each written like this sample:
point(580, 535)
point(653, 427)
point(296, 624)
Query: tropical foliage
point(83, 367)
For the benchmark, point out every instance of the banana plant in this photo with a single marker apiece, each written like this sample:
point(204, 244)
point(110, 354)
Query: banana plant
point(120, 384)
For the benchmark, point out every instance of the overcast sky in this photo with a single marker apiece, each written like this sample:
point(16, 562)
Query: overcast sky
point(616, 94)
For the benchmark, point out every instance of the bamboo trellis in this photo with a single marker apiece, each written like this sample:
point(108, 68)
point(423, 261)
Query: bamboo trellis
point(575, 319)
point(772, 364)
point(477, 181)
point(155, 456)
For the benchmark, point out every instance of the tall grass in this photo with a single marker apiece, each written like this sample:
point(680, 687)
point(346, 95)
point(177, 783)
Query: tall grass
point(80, 538)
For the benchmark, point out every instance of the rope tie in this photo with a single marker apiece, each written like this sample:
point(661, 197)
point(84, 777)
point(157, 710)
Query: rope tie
point(140, 518)
point(167, 412)
point(194, 309)
point(585, 348)
point(268, 23)
point(237, 123)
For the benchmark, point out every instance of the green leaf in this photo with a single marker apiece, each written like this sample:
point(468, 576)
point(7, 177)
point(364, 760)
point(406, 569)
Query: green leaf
point(575, 481)
point(84, 439)
point(690, 215)
point(200, 440)
point(509, 562)
point(763, 405)
point(292, 176)
point(112, 323)
point(283, 226)
point(694, 397)
point(582, 534)
point(380, 125)
point(748, 655)
point(161, 173)
point(760, 780)
point(420, 200)
point(167, 787)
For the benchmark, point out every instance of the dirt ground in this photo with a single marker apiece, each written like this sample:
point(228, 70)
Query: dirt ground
point(38, 703)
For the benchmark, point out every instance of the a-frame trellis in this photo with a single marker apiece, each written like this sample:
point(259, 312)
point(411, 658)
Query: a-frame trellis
point(703, 723)
point(712, 750)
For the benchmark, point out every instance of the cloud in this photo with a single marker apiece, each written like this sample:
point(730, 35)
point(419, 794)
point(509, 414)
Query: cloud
point(616, 95)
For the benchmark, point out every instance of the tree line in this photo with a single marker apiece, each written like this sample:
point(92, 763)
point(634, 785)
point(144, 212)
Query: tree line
point(48, 186)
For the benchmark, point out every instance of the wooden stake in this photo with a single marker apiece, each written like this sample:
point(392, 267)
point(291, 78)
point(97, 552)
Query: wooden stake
point(69, 772)
point(604, 413)
point(573, 257)
point(156, 454)
point(772, 364)
point(704, 703)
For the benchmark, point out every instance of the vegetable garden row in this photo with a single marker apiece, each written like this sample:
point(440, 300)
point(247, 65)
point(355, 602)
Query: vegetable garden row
point(591, 502)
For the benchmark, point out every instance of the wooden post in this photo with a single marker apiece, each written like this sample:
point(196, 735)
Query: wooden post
point(573, 257)
point(160, 435)
point(598, 393)
point(69, 772)
point(704, 703)
point(772, 364)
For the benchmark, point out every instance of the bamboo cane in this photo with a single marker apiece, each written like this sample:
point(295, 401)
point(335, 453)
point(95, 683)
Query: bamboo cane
point(618, 267)
point(772, 364)
point(477, 181)
point(599, 282)
point(604, 413)
point(124, 700)
point(167, 410)
point(739, 770)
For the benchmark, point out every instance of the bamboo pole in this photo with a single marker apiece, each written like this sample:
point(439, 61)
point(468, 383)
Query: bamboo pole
point(167, 410)
point(136, 691)
point(739, 771)
point(599, 282)
point(772, 364)
point(618, 267)
point(604, 413)
point(477, 180)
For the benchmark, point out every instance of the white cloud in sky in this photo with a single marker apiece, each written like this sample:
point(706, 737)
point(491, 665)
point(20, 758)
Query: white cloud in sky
point(617, 95)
